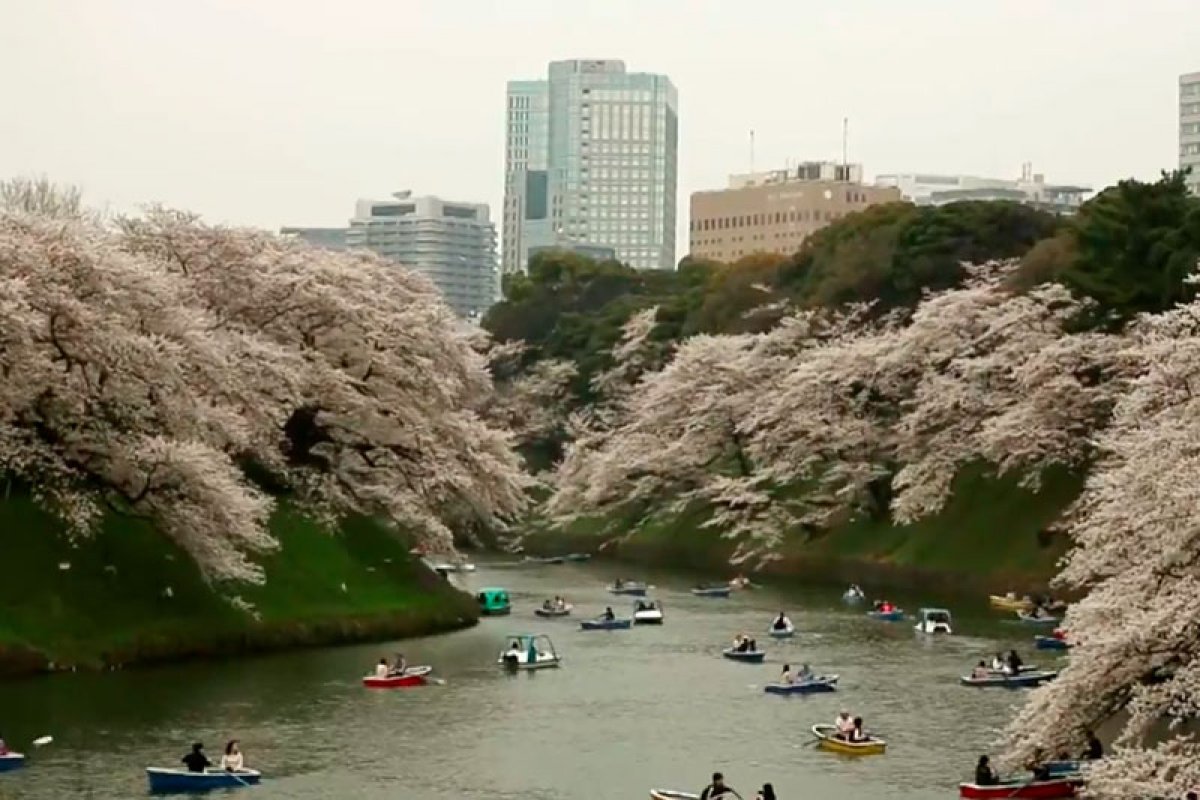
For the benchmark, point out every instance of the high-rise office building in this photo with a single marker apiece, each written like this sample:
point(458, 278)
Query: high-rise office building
point(1189, 127)
point(452, 243)
point(591, 160)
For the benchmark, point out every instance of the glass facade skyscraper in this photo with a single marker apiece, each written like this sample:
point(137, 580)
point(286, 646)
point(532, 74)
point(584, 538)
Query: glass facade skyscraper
point(591, 160)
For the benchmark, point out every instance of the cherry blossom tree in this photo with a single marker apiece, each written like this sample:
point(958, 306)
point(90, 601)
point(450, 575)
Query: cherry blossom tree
point(149, 365)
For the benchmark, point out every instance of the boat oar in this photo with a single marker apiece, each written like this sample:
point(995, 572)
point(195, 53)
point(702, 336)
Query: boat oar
point(234, 775)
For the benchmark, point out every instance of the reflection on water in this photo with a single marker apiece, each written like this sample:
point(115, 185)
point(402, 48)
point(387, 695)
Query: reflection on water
point(628, 710)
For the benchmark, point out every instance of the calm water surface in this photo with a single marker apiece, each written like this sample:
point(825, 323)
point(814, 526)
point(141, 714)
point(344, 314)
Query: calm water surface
point(629, 710)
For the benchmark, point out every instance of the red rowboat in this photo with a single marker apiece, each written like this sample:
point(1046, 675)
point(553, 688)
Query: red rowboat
point(413, 676)
point(1040, 790)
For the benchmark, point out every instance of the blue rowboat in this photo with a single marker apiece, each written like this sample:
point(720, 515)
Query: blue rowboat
point(1011, 681)
point(1049, 643)
point(895, 615)
point(11, 761)
point(750, 656)
point(711, 591)
point(180, 780)
point(606, 624)
point(821, 683)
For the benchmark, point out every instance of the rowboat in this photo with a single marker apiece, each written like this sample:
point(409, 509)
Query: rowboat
point(629, 587)
point(181, 780)
point(671, 794)
point(1010, 681)
point(748, 656)
point(1045, 790)
point(530, 652)
point(578, 556)
point(933, 620)
point(602, 624)
point(819, 683)
point(827, 740)
point(647, 612)
point(413, 676)
point(711, 591)
point(11, 761)
point(851, 596)
point(1013, 603)
point(1030, 619)
point(895, 615)
point(560, 611)
point(1049, 643)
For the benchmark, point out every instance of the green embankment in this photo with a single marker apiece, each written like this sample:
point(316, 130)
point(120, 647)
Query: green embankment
point(127, 595)
point(991, 535)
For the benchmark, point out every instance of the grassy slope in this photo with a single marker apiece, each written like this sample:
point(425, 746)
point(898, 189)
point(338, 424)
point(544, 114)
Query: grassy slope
point(987, 535)
point(92, 615)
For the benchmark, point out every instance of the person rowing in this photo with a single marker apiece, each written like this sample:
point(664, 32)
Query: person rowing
point(984, 774)
point(718, 789)
point(857, 734)
point(609, 616)
point(196, 761)
point(844, 724)
point(399, 667)
point(786, 677)
point(382, 670)
point(781, 623)
point(981, 670)
point(1014, 663)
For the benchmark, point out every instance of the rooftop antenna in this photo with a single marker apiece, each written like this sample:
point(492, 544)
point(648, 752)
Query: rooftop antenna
point(751, 151)
point(845, 148)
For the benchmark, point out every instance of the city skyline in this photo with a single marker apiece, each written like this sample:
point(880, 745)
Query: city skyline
point(261, 116)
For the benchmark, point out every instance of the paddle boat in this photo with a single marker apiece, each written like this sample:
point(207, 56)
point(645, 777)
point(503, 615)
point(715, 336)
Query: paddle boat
point(602, 624)
point(933, 620)
point(181, 780)
point(413, 676)
point(827, 740)
point(635, 588)
point(786, 632)
point(747, 656)
point(892, 615)
point(1019, 681)
point(647, 612)
point(553, 610)
point(813, 685)
point(529, 651)
point(854, 594)
point(1011, 789)
point(1037, 619)
point(1010, 602)
point(10, 761)
point(493, 602)
point(708, 590)
point(671, 794)
point(1053, 642)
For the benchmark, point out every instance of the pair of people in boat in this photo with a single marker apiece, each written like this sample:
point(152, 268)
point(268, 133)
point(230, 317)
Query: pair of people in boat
point(854, 591)
point(231, 761)
point(719, 789)
point(850, 730)
point(744, 644)
point(985, 775)
point(1010, 664)
point(781, 623)
point(804, 674)
point(884, 606)
point(557, 604)
point(385, 670)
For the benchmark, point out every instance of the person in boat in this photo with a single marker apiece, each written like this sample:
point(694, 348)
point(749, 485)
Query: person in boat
point(3, 747)
point(232, 760)
point(877, 605)
point(767, 792)
point(743, 643)
point(781, 623)
point(753, 646)
point(717, 789)
point(196, 761)
point(533, 654)
point(981, 671)
point(844, 725)
point(998, 663)
point(399, 666)
point(560, 603)
point(984, 774)
point(1095, 750)
point(1037, 766)
point(547, 605)
point(738, 638)
point(806, 673)
point(618, 584)
point(786, 677)
point(887, 607)
point(1014, 663)
point(857, 734)
point(609, 616)
point(513, 654)
point(382, 670)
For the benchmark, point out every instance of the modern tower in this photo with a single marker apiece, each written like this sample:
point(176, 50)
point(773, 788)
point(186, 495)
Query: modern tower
point(1189, 127)
point(591, 161)
point(452, 243)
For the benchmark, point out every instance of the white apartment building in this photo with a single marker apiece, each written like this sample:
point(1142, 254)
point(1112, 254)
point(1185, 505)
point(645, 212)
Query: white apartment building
point(1030, 189)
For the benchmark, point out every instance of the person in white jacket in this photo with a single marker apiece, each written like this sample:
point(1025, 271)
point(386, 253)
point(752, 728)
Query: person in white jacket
point(232, 760)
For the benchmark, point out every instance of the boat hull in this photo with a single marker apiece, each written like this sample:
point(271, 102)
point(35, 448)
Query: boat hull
point(553, 612)
point(823, 683)
point(631, 591)
point(177, 780)
point(1049, 643)
point(827, 741)
point(715, 591)
point(1009, 603)
point(671, 794)
point(647, 620)
point(11, 761)
point(751, 657)
point(783, 633)
point(499, 611)
point(415, 676)
point(1039, 790)
point(1021, 681)
point(605, 624)
point(887, 616)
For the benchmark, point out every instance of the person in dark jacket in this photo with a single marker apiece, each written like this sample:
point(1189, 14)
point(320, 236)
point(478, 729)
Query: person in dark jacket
point(196, 761)
point(718, 789)
point(1095, 750)
point(984, 774)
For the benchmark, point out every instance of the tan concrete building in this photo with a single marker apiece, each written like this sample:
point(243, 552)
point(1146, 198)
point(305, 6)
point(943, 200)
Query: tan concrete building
point(774, 212)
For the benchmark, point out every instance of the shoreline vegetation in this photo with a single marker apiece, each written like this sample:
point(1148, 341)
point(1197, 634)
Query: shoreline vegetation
point(128, 596)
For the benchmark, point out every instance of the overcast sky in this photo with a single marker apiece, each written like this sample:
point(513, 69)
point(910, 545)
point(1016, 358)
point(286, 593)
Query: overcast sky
point(283, 112)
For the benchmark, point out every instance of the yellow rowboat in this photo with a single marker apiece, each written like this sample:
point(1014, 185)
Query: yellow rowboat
point(1010, 603)
point(827, 740)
